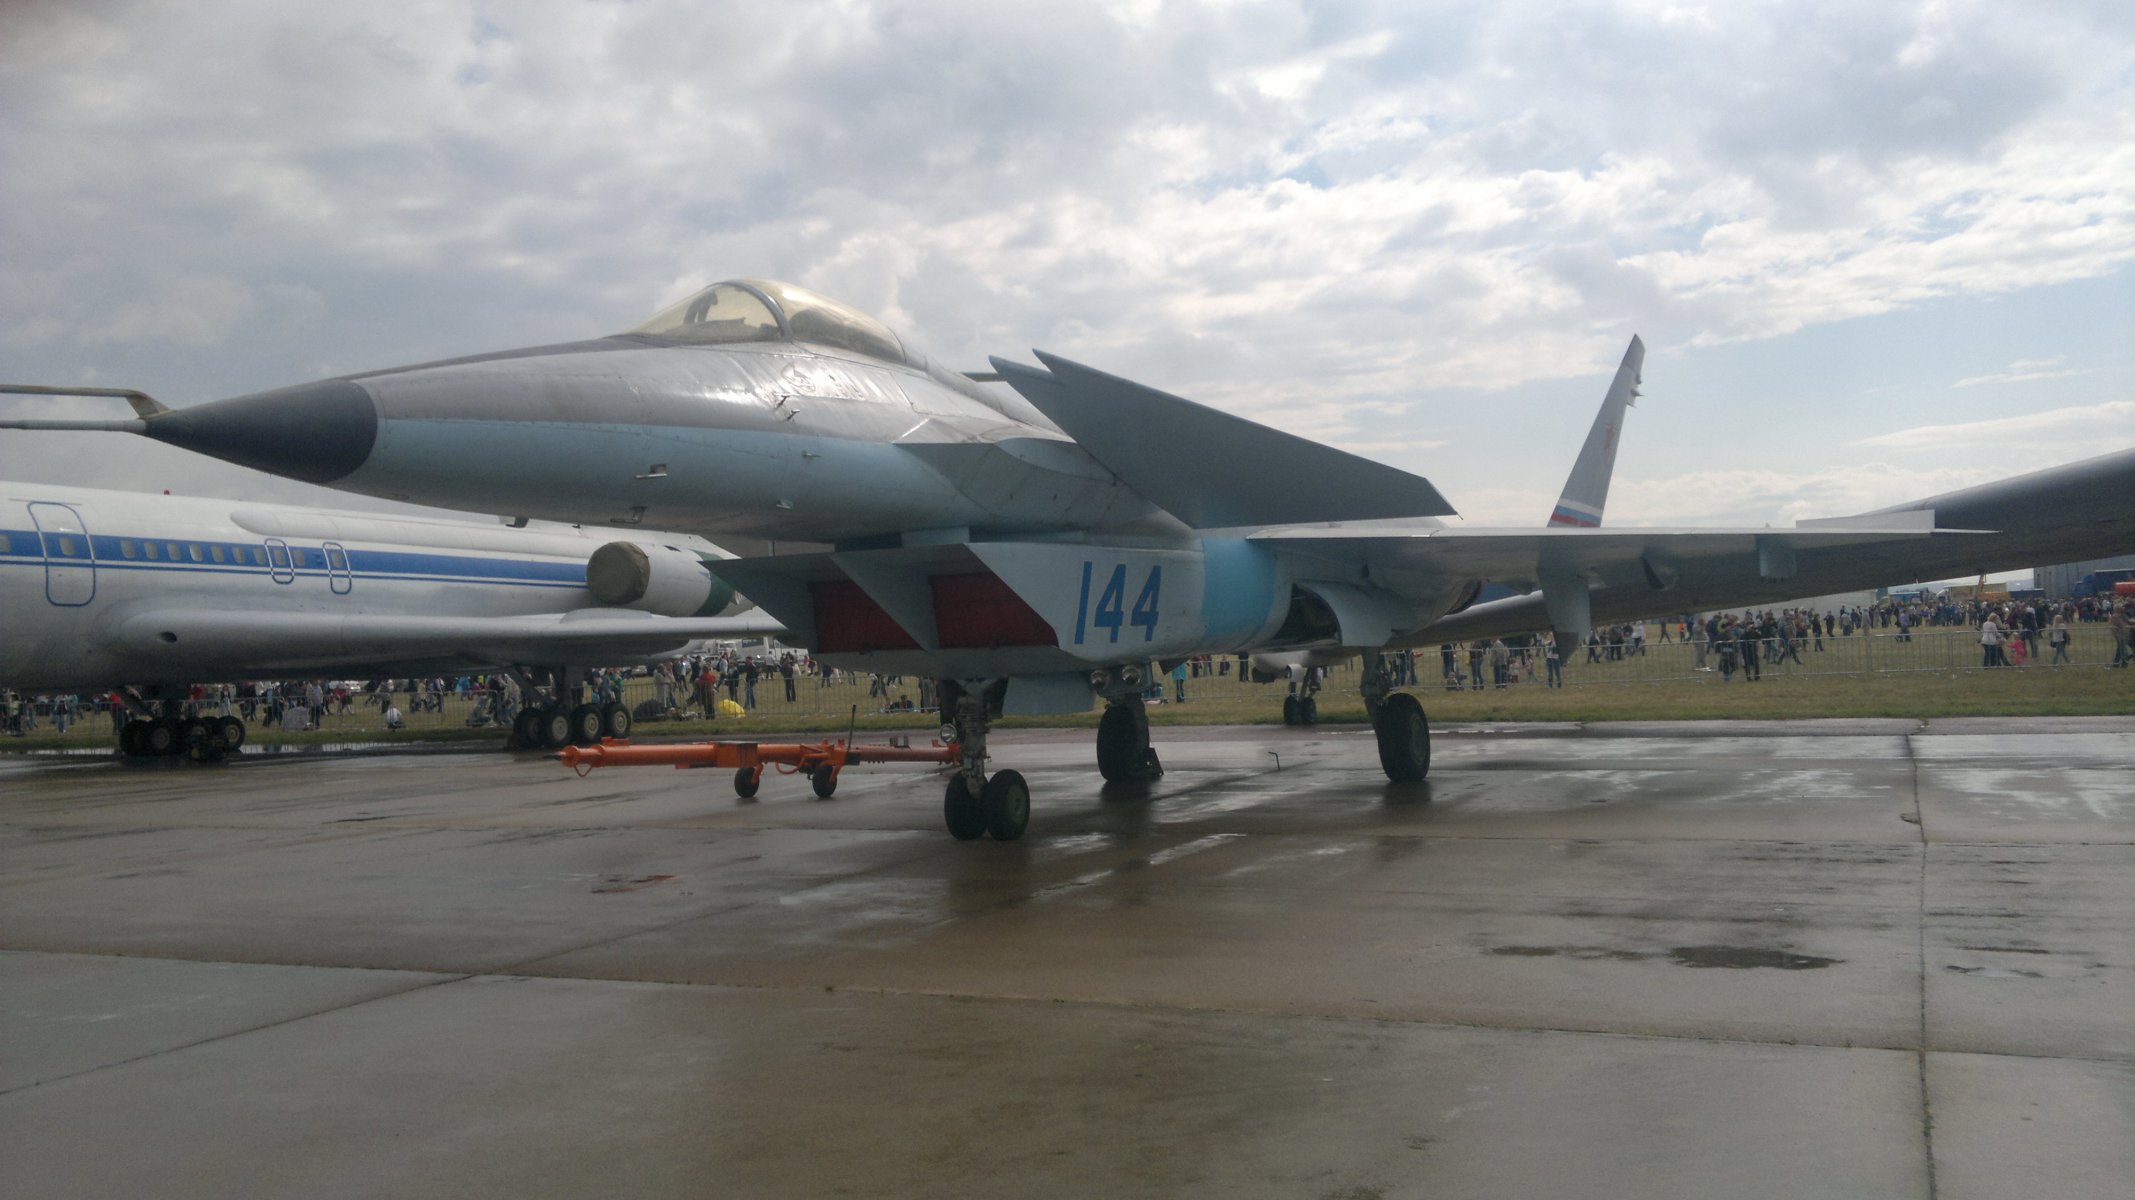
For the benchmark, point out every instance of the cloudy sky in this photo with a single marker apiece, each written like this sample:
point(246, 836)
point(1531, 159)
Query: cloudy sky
point(1876, 250)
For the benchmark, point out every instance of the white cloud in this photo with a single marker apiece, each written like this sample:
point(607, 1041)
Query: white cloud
point(2079, 430)
point(1754, 496)
point(2024, 370)
point(1313, 215)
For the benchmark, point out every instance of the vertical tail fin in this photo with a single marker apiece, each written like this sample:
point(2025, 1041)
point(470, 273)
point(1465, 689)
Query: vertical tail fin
point(1586, 492)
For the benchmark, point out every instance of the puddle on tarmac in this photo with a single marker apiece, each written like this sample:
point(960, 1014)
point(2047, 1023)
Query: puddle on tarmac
point(1589, 953)
point(1734, 957)
point(1746, 957)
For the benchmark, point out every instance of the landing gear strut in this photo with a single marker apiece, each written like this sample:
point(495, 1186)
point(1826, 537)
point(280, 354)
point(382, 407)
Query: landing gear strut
point(974, 804)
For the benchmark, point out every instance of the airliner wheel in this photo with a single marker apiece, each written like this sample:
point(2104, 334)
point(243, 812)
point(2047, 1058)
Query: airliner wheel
point(130, 738)
point(526, 729)
point(163, 736)
point(1308, 711)
point(1404, 737)
point(231, 731)
point(614, 721)
point(555, 728)
point(1291, 711)
point(585, 724)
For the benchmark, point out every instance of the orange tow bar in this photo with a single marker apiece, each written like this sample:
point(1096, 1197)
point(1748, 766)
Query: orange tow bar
point(820, 761)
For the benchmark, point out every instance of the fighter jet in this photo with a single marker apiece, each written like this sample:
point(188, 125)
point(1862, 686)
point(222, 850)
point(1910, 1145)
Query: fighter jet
point(1037, 549)
point(1585, 496)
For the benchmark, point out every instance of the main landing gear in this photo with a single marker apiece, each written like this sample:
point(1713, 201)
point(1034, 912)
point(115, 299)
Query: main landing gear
point(975, 804)
point(565, 719)
point(173, 734)
point(1124, 754)
point(1397, 723)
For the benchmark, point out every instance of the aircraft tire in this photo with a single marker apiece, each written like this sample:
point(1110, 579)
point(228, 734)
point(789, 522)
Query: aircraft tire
point(746, 782)
point(824, 779)
point(130, 738)
point(1006, 800)
point(614, 721)
point(585, 724)
point(1404, 737)
point(1291, 711)
point(163, 737)
point(1119, 749)
point(526, 729)
point(555, 726)
point(1308, 711)
point(962, 811)
point(231, 731)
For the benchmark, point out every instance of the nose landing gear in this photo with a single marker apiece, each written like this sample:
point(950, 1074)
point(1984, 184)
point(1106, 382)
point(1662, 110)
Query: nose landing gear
point(974, 804)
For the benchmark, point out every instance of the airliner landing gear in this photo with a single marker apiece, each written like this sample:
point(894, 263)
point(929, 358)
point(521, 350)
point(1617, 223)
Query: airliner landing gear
point(161, 729)
point(151, 737)
point(551, 721)
point(1124, 754)
point(973, 804)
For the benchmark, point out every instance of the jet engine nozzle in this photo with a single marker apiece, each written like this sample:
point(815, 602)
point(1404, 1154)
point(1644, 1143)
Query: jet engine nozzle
point(657, 579)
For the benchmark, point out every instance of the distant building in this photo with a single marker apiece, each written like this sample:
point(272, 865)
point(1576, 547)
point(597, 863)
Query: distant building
point(2062, 580)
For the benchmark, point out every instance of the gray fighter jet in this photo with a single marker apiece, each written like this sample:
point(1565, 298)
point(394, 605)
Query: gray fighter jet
point(1037, 549)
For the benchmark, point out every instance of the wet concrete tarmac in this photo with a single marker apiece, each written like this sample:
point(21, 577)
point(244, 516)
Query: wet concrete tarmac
point(1809, 959)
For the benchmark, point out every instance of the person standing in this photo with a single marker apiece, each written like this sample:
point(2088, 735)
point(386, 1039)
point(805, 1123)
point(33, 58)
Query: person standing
point(1990, 642)
point(1552, 660)
point(2123, 633)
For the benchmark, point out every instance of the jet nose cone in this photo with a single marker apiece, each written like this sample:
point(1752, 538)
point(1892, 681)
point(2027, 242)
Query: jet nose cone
point(316, 432)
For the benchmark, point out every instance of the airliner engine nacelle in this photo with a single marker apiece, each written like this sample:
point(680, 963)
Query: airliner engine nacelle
point(658, 579)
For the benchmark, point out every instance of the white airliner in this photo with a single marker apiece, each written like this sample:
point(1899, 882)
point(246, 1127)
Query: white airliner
point(105, 589)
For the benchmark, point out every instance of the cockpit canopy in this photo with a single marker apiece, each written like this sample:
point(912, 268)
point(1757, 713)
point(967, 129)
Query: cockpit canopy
point(764, 310)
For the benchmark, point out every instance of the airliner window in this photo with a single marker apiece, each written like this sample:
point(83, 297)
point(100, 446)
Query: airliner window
point(827, 322)
point(719, 314)
point(127, 547)
point(149, 549)
point(66, 546)
point(216, 553)
point(193, 549)
point(259, 556)
point(6, 546)
point(171, 548)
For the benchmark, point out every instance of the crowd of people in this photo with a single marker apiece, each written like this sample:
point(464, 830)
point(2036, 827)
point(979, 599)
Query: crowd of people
point(2011, 633)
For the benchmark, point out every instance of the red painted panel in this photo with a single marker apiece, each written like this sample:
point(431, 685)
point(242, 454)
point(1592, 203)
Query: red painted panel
point(979, 611)
point(847, 621)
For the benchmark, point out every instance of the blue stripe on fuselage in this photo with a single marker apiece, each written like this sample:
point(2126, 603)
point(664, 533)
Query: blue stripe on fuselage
point(26, 545)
